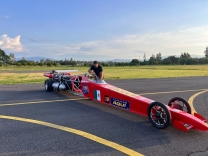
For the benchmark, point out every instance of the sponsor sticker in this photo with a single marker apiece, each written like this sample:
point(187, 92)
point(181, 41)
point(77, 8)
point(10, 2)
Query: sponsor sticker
point(97, 95)
point(120, 103)
point(107, 99)
point(85, 89)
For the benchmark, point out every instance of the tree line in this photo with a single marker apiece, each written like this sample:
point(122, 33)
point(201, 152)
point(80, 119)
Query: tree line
point(184, 59)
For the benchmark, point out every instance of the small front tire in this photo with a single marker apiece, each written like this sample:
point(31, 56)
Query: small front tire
point(159, 115)
point(180, 103)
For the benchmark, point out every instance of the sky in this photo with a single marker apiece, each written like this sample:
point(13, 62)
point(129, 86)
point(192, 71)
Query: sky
point(103, 29)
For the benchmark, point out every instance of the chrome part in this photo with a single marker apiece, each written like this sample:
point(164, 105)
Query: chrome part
point(59, 86)
point(46, 86)
point(55, 85)
point(62, 86)
point(59, 77)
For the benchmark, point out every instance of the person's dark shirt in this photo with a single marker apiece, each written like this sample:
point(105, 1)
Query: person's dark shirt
point(97, 70)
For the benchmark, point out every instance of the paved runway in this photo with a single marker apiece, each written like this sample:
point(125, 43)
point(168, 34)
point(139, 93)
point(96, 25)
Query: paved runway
point(115, 125)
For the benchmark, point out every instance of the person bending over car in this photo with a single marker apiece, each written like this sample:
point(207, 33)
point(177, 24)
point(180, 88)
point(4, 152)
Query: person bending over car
point(97, 70)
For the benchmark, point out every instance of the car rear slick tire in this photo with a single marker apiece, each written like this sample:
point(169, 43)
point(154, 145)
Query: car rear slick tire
point(159, 115)
point(180, 103)
point(48, 85)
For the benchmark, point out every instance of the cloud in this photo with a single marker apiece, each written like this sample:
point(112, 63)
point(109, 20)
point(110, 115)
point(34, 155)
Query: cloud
point(86, 48)
point(4, 16)
point(12, 44)
point(193, 40)
point(40, 40)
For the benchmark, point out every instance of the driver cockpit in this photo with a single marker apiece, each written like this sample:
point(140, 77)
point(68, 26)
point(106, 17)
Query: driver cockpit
point(94, 79)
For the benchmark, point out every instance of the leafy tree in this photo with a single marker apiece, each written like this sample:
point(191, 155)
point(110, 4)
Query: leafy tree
point(18, 64)
point(12, 58)
point(42, 61)
point(41, 64)
point(206, 60)
point(152, 60)
point(6, 59)
point(49, 64)
point(3, 57)
point(206, 52)
point(185, 55)
point(73, 63)
point(191, 61)
point(134, 62)
point(182, 61)
point(170, 60)
point(24, 63)
point(158, 58)
point(145, 59)
point(102, 64)
point(31, 63)
point(55, 64)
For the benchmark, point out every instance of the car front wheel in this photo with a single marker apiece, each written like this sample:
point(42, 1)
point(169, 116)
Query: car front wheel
point(159, 115)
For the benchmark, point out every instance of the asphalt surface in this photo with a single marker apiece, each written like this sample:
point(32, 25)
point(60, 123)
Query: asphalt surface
point(121, 127)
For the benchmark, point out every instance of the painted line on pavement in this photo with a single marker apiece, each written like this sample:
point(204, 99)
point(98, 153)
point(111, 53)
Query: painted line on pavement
point(38, 102)
point(180, 91)
point(191, 100)
point(92, 137)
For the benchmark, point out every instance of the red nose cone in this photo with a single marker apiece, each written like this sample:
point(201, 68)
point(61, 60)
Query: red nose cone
point(51, 76)
point(48, 75)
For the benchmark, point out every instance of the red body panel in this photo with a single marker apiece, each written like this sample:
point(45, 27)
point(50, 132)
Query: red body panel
point(48, 75)
point(117, 97)
point(185, 121)
point(114, 96)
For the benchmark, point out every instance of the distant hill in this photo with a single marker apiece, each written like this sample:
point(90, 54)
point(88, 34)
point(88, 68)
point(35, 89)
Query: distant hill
point(34, 58)
point(120, 60)
point(115, 60)
point(192, 55)
point(198, 56)
point(129, 60)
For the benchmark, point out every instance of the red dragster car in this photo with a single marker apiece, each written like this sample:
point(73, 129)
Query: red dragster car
point(177, 112)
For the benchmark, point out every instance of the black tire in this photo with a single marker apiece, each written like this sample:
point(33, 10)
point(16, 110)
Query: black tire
point(180, 103)
point(48, 85)
point(159, 115)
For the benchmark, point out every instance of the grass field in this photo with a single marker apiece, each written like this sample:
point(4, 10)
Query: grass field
point(16, 75)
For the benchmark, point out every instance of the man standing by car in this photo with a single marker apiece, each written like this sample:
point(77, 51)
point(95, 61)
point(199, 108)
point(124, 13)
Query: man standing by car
point(97, 70)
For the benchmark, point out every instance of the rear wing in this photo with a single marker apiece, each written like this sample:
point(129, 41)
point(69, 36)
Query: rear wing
point(65, 71)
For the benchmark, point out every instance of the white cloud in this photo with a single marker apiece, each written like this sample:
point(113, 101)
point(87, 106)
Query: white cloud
point(12, 44)
point(192, 40)
point(4, 16)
